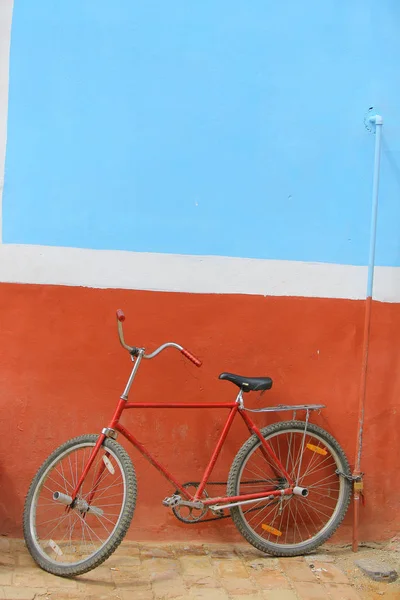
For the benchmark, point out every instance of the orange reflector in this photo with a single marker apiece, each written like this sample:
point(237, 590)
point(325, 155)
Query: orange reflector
point(317, 449)
point(271, 530)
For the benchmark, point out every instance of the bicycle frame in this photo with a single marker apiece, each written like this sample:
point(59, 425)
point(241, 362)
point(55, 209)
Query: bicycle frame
point(114, 427)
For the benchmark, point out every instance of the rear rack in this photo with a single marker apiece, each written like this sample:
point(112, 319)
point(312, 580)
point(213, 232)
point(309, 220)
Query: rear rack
point(286, 407)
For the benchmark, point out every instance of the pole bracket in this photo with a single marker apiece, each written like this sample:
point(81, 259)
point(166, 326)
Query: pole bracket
point(352, 478)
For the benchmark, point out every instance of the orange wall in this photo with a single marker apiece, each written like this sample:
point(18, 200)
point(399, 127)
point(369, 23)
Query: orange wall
point(62, 370)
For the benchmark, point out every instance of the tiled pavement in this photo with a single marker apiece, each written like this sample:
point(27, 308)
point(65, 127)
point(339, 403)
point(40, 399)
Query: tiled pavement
point(182, 571)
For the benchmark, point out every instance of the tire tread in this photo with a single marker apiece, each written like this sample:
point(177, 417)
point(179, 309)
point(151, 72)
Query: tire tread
point(234, 473)
point(118, 535)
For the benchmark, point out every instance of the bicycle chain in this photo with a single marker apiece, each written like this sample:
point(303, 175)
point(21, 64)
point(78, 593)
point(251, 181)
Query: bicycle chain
point(229, 516)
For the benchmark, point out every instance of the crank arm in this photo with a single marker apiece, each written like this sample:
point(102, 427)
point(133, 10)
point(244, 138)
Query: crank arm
point(216, 507)
point(196, 504)
point(297, 491)
point(176, 500)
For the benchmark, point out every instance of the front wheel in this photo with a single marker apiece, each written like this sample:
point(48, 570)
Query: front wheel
point(291, 525)
point(69, 541)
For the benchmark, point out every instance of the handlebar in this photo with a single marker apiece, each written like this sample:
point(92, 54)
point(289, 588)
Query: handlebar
point(191, 357)
point(133, 350)
point(120, 315)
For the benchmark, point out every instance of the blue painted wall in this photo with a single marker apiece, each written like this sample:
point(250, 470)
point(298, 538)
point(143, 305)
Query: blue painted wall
point(214, 127)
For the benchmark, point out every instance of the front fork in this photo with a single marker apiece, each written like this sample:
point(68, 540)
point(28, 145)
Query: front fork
point(98, 477)
point(106, 433)
point(89, 463)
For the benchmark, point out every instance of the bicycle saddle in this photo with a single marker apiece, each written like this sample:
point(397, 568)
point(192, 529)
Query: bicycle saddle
point(248, 384)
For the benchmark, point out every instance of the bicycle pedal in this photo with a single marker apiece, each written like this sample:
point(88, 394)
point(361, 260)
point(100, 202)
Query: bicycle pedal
point(171, 500)
point(217, 512)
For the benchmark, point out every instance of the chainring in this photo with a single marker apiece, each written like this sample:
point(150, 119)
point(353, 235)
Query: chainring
point(188, 514)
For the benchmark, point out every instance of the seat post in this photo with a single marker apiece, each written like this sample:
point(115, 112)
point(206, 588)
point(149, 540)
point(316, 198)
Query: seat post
point(239, 399)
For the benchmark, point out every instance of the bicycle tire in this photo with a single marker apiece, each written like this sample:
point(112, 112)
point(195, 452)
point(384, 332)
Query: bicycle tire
point(119, 531)
point(345, 489)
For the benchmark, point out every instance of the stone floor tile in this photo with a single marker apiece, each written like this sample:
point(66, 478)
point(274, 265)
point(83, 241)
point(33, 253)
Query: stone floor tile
point(231, 568)
point(207, 594)
point(5, 545)
point(169, 590)
point(311, 558)
point(95, 588)
point(340, 591)
point(139, 571)
point(280, 595)
point(136, 594)
point(7, 560)
point(25, 593)
point(24, 559)
point(127, 549)
point(31, 576)
point(164, 577)
point(310, 591)
point(248, 551)
point(329, 573)
point(5, 576)
point(205, 582)
point(17, 545)
point(219, 550)
point(101, 575)
point(130, 578)
point(291, 559)
point(270, 580)
point(236, 587)
point(96, 583)
point(53, 582)
point(197, 566)
point(156, 552)
point(160, 565)
point(190, 550)
point(102, 595)
point(261, 563)
point(257, 596)
point(66, 595)
point(122, 561)
point(298, 570)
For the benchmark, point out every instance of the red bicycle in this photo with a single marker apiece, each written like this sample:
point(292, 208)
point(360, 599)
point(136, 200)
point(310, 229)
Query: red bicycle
point(288, 488)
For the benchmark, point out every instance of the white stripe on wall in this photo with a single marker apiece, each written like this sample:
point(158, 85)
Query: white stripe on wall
point(6, 8)
point(193, 274)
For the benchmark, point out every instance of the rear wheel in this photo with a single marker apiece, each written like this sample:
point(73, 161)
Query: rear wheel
point(70, 541)
point(294, 524)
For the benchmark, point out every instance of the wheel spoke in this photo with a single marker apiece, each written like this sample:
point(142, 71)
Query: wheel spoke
point(291, 521)
point(68, 536)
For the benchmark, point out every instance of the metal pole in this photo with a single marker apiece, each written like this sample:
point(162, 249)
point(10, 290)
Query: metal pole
point(357, 475)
